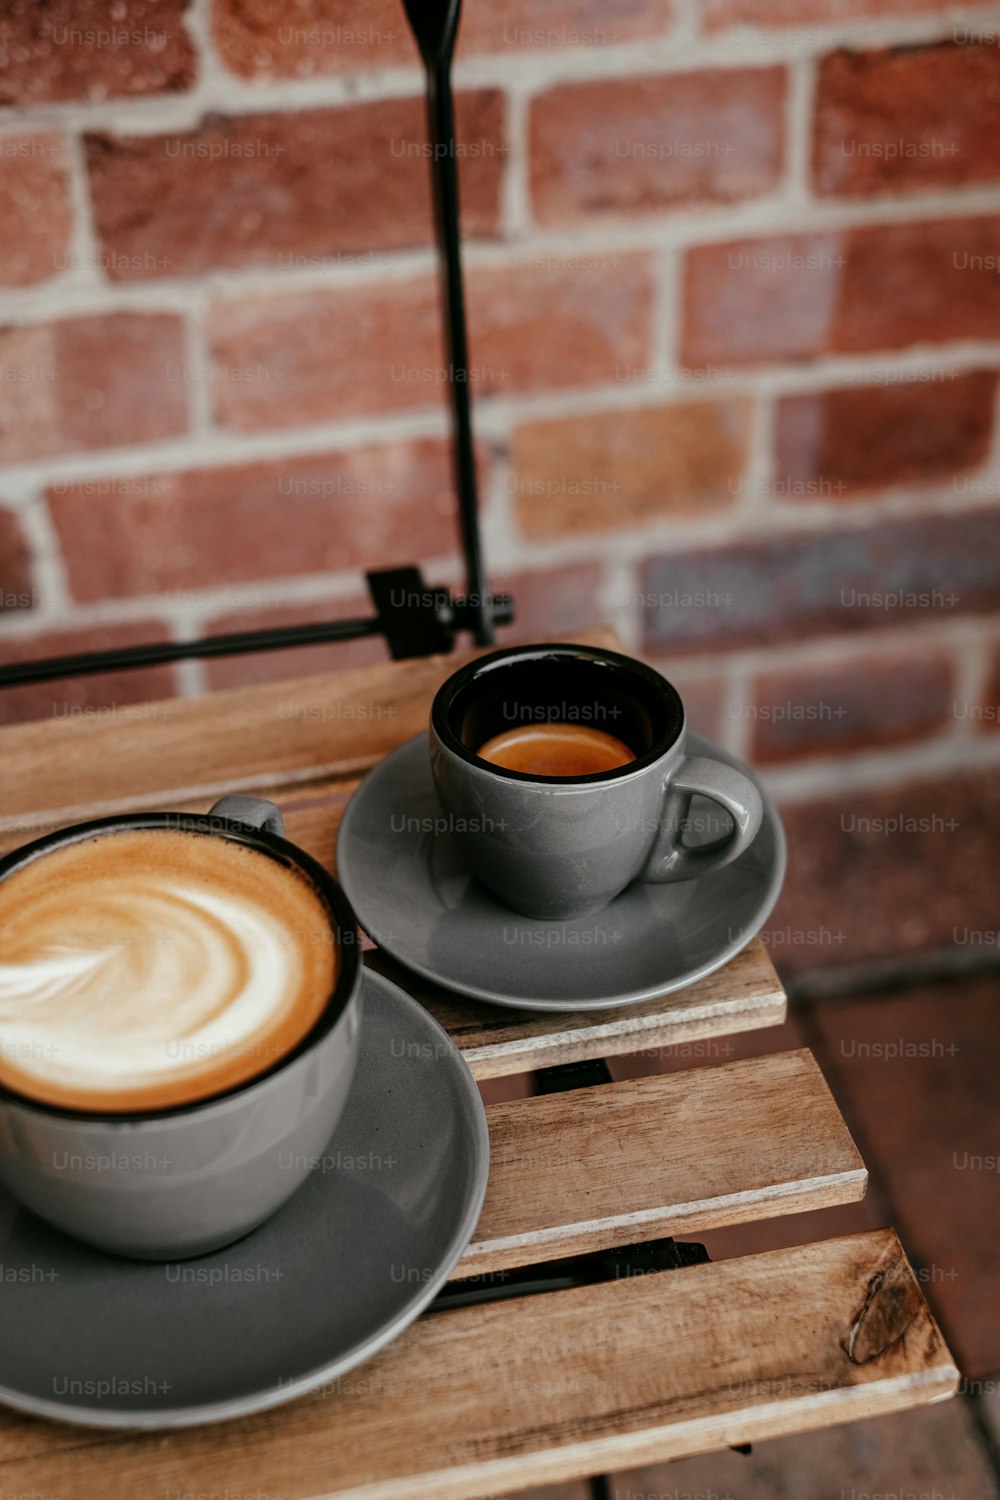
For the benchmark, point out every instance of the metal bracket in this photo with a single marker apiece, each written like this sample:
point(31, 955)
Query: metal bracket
point(417, 620)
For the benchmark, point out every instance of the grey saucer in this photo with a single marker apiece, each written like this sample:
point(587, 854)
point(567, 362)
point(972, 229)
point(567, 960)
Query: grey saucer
point(414, 896)
point(351, 1259)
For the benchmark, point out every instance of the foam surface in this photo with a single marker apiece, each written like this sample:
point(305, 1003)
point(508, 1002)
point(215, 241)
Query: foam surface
point(149, 968)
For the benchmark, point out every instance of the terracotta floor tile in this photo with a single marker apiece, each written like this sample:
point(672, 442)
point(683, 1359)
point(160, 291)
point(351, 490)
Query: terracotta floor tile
point(931, 1453)
point(898, 870)
point(509, 1086)
point(988, 1392)
point(916, 1073)
point(793, 1229)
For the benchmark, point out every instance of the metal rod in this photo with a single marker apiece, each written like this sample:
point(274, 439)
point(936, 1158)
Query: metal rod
point(157, 653)
point(435, 26)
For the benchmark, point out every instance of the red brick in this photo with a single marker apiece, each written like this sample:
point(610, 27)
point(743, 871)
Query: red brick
point(795, 14)
point(825, 709)
point(899, 871)
point(642, 145)
point(328, 354)
point(917, 1068)
point(15, 566)
point(559, 24)
point(617, 469)
point(297, 661)
point(883, 286)
point(839, 443)
point(784, 586)
point(92, 382)
point(109, 693)
point(370, 507)
point(280, 187)
point(551, 602)
point(703, 698)
point(75, 49)
point(262, 39)
point(907, 119)
point(34, 208)
point(985, 715)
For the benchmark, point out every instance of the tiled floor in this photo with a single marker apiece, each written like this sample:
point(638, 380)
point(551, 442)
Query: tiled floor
point(917, 1073)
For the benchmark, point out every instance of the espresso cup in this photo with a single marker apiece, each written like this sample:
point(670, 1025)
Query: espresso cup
point(557, 847)
point(169, 1183)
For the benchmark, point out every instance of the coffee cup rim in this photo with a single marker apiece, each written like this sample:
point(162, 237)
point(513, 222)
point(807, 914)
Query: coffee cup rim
point(446, 693)
point(339, 909)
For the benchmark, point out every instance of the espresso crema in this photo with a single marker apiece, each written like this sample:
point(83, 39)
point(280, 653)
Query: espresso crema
point(154, 967)
point(556, 749)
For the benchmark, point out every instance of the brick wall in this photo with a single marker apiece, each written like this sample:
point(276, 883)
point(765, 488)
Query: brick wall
point(735, 318)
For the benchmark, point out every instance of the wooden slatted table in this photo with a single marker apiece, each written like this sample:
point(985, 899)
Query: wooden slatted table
point(476, 1400)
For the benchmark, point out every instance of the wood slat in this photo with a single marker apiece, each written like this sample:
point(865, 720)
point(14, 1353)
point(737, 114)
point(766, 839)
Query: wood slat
point(244, 739)
point(659, 1156)
point(475, 1402)
point(743, 996)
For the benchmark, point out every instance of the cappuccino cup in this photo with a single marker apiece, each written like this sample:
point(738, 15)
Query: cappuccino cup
point(563, 775)
point(180, 1016)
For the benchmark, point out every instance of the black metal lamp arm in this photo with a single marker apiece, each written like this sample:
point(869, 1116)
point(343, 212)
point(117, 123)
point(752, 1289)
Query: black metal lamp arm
point(435, 26)
point(415, 620)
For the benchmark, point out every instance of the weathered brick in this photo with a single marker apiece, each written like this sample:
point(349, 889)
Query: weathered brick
point(262, 39)
point(985, 715)
point(34, 208)
point(109, 694)
point(881, 286)
point(281, 188)
point(838, 443)
point(897, 871)
point(551, 602)
point(313, 356)
point(907, 118)
point(826, 709)
point(76, 49)
point(94, 382)
point(917, 1069)
point(704, 695)
point(363, 507)
point(781, 587)
point(15, 565)
point(620, 468)
point(793, 15)
point(642, 145)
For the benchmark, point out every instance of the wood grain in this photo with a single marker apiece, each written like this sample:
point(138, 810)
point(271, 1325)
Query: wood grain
point(480, 1401)
point(245, 739)
point(743, 996)
point(657, 1156)
point(64, 770)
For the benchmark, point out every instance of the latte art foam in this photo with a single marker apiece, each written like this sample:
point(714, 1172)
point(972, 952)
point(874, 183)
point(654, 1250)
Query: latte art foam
point(149, 968)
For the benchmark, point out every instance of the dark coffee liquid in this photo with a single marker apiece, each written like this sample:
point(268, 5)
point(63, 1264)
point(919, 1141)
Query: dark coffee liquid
point(563, 750)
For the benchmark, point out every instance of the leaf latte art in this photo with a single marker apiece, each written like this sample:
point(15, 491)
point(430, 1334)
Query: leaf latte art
point(150, 968)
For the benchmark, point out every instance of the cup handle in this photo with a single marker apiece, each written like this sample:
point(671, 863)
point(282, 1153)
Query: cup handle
point(253, 812)
point(734, 792)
